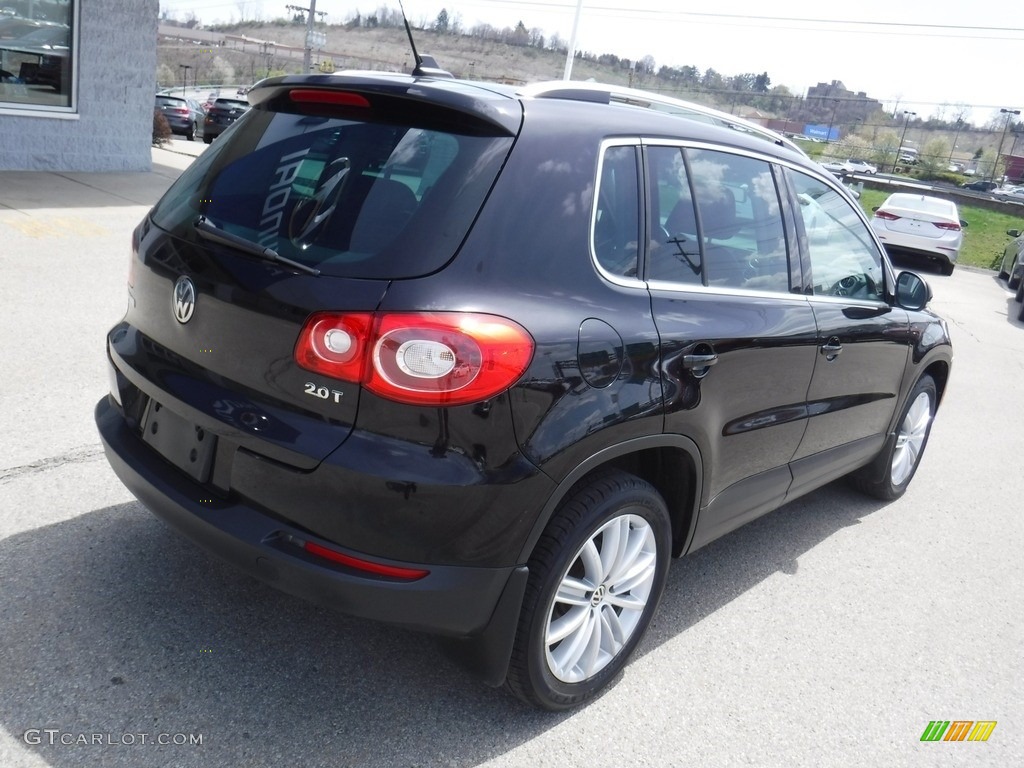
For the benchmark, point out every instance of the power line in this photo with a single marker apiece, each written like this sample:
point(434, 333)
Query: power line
point(897, 26)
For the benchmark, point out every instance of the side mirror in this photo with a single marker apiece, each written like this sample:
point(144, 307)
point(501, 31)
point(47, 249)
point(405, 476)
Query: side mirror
point(912, 292)
point(875, 208)
point(963, 224)
point(1014, 233)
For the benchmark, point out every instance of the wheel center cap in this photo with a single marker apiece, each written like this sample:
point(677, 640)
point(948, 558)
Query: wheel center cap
point(598, 596)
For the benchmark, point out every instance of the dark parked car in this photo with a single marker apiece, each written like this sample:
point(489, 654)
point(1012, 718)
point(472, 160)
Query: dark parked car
point(221, 114)
point(979, 186)
point(480, 360)
point(184, 116)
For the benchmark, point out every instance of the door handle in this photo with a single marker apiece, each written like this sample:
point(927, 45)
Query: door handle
point(700, 364)
point(831, 348)
point(699, 361)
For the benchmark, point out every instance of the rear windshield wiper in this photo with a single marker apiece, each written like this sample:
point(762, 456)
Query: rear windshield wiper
point(210, 231)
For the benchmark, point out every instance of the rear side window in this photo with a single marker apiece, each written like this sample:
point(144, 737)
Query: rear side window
point(719, 221)
point(352, 198)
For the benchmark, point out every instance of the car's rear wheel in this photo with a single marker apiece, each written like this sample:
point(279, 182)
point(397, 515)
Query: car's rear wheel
point(191, 133)
point(1020, 291)
point(902, 455)
point(207, 139)
point(596, 576)
point(1020, 313)
point(947, 268)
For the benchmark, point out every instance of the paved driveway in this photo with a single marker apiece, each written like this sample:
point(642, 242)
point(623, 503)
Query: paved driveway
point(829, 633)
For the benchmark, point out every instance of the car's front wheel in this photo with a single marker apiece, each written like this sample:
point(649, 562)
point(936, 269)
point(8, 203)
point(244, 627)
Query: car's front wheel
point(902, 455)
point(596, 576)
point(1013, 282)
point(1020, 292)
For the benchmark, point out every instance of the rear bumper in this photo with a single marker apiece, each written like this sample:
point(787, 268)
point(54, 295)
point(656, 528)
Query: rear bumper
point(939, 249)
point(456, 601)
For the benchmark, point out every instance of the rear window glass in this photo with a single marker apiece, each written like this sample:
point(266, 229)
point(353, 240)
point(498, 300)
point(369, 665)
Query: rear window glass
point(352, 198)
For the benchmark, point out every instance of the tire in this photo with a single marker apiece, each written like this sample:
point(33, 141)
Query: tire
point(1020, 313)
point(890, 474)
point(191, 133)
point(207, 139)
point(947, 268)
point(581, 619)
point(1013, 283)
point(1020, 292)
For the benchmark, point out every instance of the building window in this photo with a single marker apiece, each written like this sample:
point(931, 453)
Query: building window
point(37, 54)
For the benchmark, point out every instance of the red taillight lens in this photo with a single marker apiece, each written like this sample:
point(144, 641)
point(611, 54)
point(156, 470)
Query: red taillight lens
point(335, 344)
point(423, 358)
point(951, 226)
point(887, 216)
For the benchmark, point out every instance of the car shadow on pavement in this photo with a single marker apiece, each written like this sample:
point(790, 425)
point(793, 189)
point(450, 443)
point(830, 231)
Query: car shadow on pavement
point(710, 578)
point(116, 629)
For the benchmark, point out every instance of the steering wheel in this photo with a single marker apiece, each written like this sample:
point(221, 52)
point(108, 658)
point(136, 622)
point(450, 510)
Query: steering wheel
point(854, 286)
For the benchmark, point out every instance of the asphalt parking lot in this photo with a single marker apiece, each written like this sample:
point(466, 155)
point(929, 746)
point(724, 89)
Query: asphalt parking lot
point(828, 633)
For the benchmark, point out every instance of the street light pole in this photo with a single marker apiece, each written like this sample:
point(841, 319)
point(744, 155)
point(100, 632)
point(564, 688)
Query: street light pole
point(906, 125)
point(1002, 138)
point(184, 77)
point(952, 149)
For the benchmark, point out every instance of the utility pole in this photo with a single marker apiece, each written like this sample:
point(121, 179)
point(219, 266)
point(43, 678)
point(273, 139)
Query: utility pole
point(311, 14)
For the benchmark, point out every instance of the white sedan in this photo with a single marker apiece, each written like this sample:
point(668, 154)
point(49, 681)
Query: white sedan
point(922, 226)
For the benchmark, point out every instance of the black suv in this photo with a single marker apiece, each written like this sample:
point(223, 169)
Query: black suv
point(222, 113)
point(481, 360)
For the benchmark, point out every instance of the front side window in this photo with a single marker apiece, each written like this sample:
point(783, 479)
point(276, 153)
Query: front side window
point(719, 221)
point(36, 54)
point(844, 258)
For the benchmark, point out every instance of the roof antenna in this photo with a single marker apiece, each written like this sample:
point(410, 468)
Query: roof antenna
point(426, 66)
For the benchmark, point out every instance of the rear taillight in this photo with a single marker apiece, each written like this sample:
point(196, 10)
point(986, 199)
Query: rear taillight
point(422, 358)
point(886, 215)
point(951, 226)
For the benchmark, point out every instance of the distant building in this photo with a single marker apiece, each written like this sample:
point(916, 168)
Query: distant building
point(77, 81)
point(1014, 167)
point(848, 106)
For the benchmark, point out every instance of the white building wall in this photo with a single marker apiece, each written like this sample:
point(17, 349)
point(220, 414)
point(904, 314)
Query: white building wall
point(113, 128)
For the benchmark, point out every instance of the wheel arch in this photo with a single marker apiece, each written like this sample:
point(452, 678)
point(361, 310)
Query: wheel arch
point(670, 463)
point(939, 371)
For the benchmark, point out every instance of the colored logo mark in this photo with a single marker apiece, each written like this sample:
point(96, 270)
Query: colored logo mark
point(958, 730)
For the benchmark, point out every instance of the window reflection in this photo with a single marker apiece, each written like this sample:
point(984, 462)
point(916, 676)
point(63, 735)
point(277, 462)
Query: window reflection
point(35, 53)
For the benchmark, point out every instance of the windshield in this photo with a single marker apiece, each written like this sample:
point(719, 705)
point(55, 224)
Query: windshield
point(351, 198)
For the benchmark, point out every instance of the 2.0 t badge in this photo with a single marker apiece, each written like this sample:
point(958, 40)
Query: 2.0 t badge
point(184, 299)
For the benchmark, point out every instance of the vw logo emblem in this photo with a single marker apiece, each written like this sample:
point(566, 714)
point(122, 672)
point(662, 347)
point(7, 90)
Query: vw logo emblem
point(184, 299)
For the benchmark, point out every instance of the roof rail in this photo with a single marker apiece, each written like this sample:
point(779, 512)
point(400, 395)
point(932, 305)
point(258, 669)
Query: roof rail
point(614, 94)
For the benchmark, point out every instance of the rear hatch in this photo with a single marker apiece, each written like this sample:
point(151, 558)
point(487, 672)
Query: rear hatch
point(321, 197)
point(173, 108)
point(918, 215)
point(226, 111)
